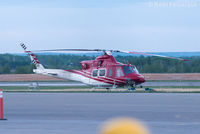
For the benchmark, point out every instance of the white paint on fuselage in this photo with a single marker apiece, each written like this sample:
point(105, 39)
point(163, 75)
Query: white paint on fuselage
point(64, 74)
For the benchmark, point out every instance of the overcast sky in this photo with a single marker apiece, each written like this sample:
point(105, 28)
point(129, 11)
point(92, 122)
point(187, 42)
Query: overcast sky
point(137, 25)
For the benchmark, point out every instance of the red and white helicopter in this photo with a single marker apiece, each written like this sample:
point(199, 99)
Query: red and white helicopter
point(104, 71)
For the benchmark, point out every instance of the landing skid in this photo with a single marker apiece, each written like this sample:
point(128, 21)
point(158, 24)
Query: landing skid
point(133, 87)
point(107, 88)
point(112, 88)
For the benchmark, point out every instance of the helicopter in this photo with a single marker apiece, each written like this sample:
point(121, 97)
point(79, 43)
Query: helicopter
point(104, 71)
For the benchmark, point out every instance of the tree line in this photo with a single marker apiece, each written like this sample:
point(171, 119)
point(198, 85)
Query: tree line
point(15, 64)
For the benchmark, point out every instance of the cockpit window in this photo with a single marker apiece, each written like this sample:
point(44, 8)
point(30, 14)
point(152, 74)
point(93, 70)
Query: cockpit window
point(127, 69)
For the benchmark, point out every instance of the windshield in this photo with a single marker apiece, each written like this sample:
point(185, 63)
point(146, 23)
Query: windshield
point(127, 70)
point(135, 70)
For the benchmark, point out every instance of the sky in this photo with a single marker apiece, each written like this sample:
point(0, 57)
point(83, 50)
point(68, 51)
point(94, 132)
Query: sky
point(131, 25)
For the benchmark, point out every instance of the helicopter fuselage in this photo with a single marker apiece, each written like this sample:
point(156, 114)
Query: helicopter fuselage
point(104, 71)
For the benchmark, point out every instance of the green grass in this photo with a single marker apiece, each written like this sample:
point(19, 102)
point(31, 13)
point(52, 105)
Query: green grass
point(87, 87)
point(62, 89)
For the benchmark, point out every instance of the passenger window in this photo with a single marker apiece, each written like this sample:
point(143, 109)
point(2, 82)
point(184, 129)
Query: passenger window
point(119, 72)
point(102, 72)
point(95, 73)
point(110, 72)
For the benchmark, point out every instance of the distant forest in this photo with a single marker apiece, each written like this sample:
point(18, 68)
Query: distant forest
point(13, 64)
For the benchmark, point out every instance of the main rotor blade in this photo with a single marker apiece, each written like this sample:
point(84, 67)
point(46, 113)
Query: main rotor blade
point(156, 55)
point(104, 50)
point(54, 50)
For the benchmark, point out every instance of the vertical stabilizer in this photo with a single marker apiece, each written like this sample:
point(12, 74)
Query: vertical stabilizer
point(34, 60)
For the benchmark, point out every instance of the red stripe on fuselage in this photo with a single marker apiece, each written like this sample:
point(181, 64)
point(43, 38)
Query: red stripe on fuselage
point(109, 79)
point(100, 79)
point(106, 78)
point(97, 79)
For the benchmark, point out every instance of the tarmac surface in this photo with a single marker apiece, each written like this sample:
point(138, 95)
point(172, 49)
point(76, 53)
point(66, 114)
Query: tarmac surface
point(83, 113)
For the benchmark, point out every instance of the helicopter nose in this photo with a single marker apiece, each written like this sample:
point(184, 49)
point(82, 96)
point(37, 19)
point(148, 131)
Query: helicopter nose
point(141, 79)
